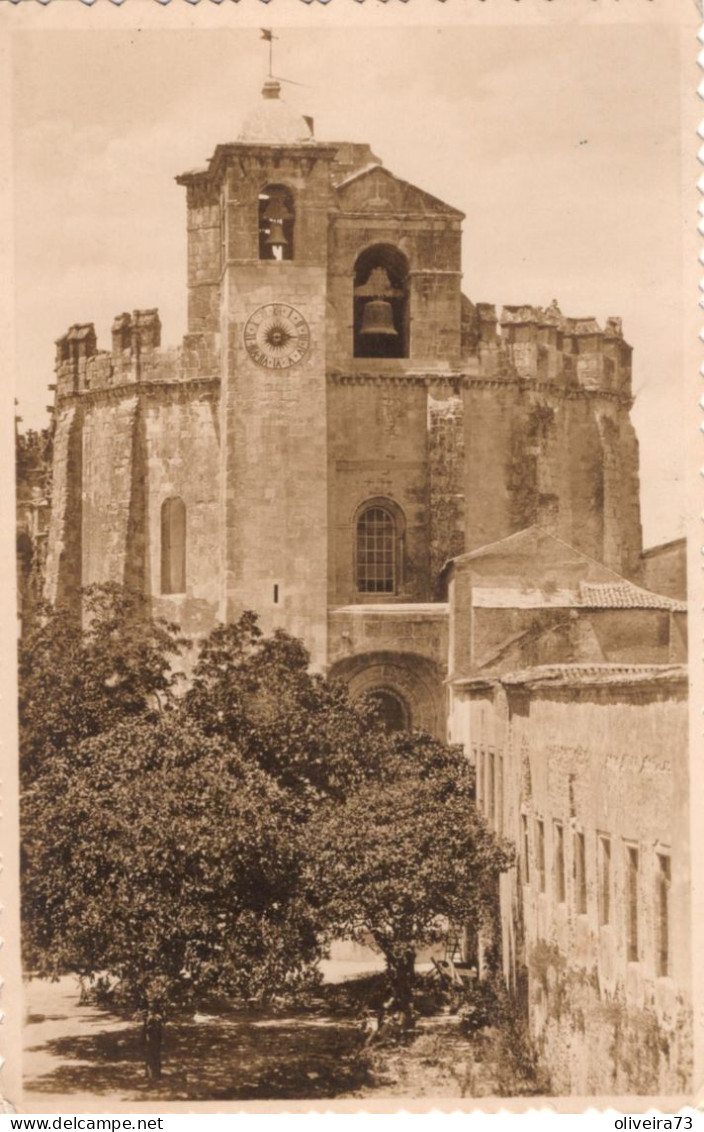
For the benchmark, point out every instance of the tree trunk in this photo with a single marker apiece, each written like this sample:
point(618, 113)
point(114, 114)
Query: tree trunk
point(153, 1034)
point(401, 973)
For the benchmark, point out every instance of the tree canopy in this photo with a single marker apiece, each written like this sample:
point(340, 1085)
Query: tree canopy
point(79, 680)
point(406, 854)
point(212, 842)
point(159, 855)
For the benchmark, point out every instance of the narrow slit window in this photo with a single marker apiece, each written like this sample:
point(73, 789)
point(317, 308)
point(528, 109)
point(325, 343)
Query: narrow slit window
point(173, 546)
point(604, 866)
point(540, 853)
point(580, 874)
point(559, 862)
point(526, 849)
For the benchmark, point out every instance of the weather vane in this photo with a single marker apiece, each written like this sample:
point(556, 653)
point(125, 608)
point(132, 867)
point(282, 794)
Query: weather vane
point(269, 36)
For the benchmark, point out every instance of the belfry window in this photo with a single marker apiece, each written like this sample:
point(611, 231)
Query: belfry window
point(276, 223)
point(378, 550)
point(381, 303)
point(173, 546)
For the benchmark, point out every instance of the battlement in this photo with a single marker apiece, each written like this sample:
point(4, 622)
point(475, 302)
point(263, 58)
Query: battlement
point(136, 356)
point(543, 345)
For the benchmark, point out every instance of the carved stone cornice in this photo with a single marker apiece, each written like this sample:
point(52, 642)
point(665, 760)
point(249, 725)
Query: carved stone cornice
point(153, 390)
point(463, 380)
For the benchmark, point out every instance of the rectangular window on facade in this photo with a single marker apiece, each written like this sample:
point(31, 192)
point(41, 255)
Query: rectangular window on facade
point(662, 913)
point(632, 871)
point(604, 879)
point(580, 874)
point(526, 849)
point(499, 810)
point(559, 862)
point(490, 785)
point(479, 763)
point(540, 853)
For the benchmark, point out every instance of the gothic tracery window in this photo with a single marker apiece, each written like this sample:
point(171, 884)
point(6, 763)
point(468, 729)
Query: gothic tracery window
point(173, 546)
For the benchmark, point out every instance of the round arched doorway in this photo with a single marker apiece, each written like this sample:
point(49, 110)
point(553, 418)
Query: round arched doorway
point(392, 709)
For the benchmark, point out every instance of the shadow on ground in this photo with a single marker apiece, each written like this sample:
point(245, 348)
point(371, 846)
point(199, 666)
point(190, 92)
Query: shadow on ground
point(223, 1059)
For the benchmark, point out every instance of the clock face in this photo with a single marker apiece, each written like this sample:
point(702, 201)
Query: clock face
point(276, 336)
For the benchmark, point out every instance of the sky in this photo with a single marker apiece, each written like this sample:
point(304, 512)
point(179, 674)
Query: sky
point(561, 145)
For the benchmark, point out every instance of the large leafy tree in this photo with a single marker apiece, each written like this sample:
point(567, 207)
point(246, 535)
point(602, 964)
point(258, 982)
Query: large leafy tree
point(207, 843)
point(157, 854)
point(78, 679)
point(165, 838)
point(295, 725)
point(404, 855)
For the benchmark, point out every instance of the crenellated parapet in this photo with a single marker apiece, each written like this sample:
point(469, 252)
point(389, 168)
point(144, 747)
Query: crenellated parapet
point(136, 356)
point(547, 431)
point(541, 345)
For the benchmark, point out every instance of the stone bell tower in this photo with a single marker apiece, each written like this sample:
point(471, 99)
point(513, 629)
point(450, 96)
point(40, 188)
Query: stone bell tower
point(258, 290)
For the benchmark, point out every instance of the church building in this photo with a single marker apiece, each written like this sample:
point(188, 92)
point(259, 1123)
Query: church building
point(441, 500)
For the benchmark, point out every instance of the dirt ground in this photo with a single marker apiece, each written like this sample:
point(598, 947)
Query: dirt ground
point(80, 1057)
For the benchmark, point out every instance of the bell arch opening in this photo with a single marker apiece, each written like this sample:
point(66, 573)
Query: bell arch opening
point(277, 220)
point(381, 317)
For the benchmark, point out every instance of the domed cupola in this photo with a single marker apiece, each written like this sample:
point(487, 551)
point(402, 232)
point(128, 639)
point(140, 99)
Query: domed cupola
point(272, 122)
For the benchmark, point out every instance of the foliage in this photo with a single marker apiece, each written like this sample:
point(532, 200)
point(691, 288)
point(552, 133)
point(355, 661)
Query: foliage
point(78, 681)
point(405, 854)
point(209, 844)
point(157, 854)
point(295, 725)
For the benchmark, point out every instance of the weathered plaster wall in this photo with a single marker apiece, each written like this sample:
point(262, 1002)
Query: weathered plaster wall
point(664, 568)
point(601, 761)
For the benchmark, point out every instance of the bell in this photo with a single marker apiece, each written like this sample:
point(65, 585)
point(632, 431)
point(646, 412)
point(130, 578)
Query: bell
point(276, 234)
point(378, 318)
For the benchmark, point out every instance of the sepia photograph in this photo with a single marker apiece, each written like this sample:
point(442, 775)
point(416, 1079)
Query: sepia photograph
point(351, 509)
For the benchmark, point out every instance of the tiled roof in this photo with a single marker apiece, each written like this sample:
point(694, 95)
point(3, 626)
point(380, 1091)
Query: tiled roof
point(586, 675)
point(624, 595)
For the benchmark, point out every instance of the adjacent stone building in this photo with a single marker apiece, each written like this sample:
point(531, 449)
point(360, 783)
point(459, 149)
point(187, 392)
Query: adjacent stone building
point(441, 499)
point(569, 693)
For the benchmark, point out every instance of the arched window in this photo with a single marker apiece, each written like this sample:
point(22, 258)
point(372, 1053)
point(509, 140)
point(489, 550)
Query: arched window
point(392, 710)
point(378, 549)
point(381, 319)
point(277, 220)
point(173, 546)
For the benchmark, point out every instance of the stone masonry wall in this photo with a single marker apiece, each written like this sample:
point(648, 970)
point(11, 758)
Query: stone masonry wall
point(602, 762)
point(378, 448)
point(182, 446)
point(447, 503)
point(108, 448)
point(548, 437)
point(63, 576)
